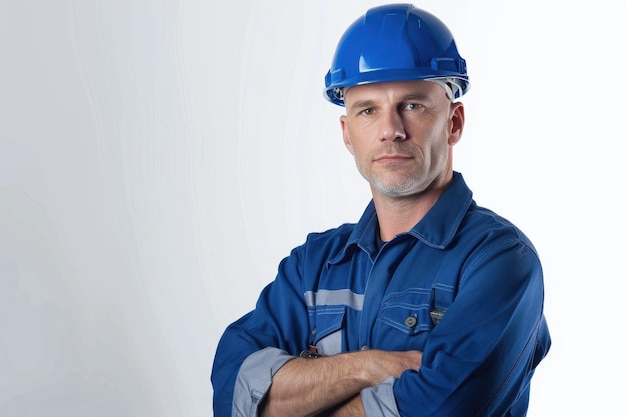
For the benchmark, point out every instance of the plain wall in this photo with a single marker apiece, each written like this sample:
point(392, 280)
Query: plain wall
point(159, 158)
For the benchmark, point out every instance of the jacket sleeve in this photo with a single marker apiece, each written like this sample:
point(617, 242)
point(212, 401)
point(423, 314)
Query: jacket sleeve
point(254, 347)
point(479, 359)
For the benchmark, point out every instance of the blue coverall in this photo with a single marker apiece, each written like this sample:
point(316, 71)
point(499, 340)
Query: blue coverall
point(464, 286)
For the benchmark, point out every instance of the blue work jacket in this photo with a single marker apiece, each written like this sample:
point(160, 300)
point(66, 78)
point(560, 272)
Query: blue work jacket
point(464, 286)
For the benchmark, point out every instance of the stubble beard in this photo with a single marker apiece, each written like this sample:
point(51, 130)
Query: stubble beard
point(394, 184)
point(402, 182)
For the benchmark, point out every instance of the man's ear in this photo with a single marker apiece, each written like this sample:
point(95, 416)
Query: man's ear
point(457, 121)
point(344, 131)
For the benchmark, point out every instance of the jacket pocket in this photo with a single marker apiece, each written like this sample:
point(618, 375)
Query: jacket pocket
point(408, 311)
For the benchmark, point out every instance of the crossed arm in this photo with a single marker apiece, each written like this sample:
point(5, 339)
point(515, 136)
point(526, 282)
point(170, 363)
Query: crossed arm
point(330, 386)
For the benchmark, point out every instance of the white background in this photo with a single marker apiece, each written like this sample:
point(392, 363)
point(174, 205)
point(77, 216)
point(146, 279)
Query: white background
point(158, 158)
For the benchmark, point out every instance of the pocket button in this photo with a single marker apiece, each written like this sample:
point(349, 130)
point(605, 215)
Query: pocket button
point(410, 321)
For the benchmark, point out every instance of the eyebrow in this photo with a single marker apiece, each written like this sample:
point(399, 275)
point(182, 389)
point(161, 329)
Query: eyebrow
point(418, 96)
point(362, 104)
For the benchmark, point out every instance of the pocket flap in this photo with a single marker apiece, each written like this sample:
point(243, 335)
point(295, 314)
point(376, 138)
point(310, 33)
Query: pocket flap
point(327, 321)
point(408, 311)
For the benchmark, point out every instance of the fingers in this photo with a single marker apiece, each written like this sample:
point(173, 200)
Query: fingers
point(383, 364)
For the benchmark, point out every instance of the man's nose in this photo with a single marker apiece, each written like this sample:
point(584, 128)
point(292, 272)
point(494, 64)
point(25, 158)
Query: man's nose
point(392, 127)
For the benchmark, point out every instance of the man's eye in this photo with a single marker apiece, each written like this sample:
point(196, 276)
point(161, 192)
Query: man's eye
point(367, 112)
point(412, 106)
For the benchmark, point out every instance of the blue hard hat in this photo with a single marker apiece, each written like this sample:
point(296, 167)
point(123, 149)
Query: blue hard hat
point(396, 42)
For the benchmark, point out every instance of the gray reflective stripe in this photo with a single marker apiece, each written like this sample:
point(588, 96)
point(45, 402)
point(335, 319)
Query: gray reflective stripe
point(333, 298)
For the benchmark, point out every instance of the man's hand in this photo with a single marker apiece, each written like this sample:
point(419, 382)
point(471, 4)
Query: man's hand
point(382, 364)
point(306, 387)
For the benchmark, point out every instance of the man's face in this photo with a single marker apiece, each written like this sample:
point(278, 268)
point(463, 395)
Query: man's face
point(401, 135)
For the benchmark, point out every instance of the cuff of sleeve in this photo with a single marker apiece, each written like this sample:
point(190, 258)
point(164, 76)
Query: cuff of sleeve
point(379, 401)
point(254, 379)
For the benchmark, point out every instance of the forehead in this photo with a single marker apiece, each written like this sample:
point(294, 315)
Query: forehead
point(395, 90)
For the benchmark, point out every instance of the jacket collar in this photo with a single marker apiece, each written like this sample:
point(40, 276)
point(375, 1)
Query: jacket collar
point(436, 229)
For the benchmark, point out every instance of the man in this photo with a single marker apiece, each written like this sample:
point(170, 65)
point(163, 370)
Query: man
point(430, 304)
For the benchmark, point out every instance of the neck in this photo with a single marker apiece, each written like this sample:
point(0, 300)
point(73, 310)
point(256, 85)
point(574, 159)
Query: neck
point(399, 214)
